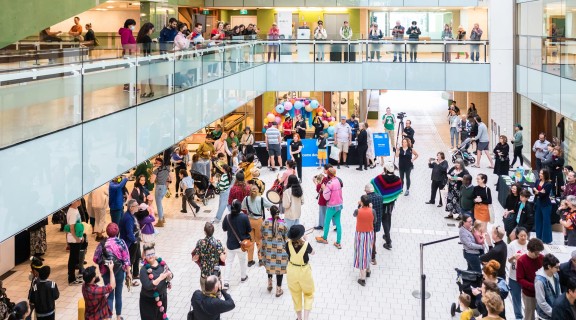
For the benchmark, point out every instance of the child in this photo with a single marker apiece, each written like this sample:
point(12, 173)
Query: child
point(145, 216)
point(478, 231)
point(464, 301)
point(322, 154)
point(256, 181)
point(235, 161)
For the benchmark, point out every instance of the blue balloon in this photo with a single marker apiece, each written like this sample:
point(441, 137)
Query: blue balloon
point(280, 108)
point(314, 104)
point(298, 105)
point(331, 131)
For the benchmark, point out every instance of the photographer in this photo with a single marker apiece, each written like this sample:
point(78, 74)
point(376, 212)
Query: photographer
point(208, 304)
point(408, 130)
point(95, 296)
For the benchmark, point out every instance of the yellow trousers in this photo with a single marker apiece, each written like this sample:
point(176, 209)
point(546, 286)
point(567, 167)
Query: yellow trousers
point(256, 236)
point(301, 286)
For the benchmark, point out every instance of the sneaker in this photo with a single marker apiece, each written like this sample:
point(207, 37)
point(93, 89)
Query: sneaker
point(362, 282)
point(338, 167)
point(76, 282)
point(335, 228)
point(387, 246)
point(321, 240)
point(407, 193)
point(282, 168)
point(449, 216)
point(374, 262)
point(318, 228)
point(251, 263)
point(368, 273)
point(244, 279)
point(183, 211)
point(347, 166)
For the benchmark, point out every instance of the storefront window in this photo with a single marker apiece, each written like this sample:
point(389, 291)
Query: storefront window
point(525, 120)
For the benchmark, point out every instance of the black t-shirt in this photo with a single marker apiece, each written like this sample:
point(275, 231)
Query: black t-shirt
point(405, 158)
point(146, 42)
point(294, 147)
point(308, 251)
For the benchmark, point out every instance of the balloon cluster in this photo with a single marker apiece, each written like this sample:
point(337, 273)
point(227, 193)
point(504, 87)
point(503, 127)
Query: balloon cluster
point(291, 107)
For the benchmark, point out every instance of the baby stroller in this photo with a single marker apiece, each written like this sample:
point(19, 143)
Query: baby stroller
point(202, 183)
point(465, 281)
point(462, 153)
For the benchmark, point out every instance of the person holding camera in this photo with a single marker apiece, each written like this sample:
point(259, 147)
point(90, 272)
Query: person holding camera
point(398, 35)
point(155, 276)
point(439, 178)
point(209, 255)
point(413, 33)
point(95, 296)
point(208, 304)
point(238, 228)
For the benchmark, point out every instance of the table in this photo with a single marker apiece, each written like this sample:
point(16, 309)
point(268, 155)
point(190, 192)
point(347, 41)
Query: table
point(262, 154)
point(503, 188)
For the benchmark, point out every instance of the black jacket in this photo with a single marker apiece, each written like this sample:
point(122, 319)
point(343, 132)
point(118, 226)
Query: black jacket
point(566, 273)
point(409, 133)
point(439, 170)
point(208, 307)
point(499, 253)
point(43, 295)
point(241, 225)
point(562, 309)
point(362, 139)
point(526, 216)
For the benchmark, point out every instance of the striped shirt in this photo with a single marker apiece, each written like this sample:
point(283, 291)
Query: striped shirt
point(273, 135)
point(224, 182)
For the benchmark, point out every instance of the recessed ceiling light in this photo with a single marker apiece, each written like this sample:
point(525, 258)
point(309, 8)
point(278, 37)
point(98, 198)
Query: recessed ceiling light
point(110, 7)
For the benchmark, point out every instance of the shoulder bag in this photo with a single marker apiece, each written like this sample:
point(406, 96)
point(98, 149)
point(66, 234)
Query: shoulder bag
point(244, 244)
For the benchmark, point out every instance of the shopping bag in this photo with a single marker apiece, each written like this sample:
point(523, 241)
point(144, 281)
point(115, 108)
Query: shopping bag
point(335, 153)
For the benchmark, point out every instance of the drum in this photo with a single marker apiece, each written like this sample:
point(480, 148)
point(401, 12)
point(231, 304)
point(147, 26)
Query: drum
point(274, 195)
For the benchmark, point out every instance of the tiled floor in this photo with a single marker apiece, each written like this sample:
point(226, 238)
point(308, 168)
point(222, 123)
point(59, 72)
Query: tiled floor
point(388, 293)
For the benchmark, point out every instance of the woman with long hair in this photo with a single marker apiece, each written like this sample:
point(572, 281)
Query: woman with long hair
point(155, 276)
point(364, 238)
point(292, 201)
point(318, 126)
point(145, 41)
point(332, 192)
point(274, 256)
point(239, 190)
point(543, 206)
point(439, 168)
point(516, 249)
point(482, 199)
point(224, 186)
point(290, 165)
point(296, 153)
point(140, 192)
point(406, 157)
point(455, 177)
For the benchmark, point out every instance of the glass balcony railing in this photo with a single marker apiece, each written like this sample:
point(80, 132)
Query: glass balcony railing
point(43, 91)
point(555, 56)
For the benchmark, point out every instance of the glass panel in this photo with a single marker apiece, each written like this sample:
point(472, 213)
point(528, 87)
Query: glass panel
point(155, 127)
point(387, 75)
point(568, 98)
point(188, 68)
point(425, 76)
point(109, 86)
point(523, 51)
point(212, 64)
point(534, 85)
point(188, 110)
point(568, 59)
point(420, 3)
point(535, 53)
point(286, 51)
point(345, 80)
point(39, 101)
point(458, 77)
point(154, 74)
point(260, 50)
point(551, 91)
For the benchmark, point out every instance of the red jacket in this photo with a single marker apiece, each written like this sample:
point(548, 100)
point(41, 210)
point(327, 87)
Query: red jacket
point(321, 200)
point(526, 268)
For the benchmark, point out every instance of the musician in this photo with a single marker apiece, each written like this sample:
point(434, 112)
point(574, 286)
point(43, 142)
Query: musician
point(254, 206)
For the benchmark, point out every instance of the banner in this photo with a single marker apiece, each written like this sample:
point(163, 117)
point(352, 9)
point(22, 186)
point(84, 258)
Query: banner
point(381, 144)
point(309, 152)
point(285, 23)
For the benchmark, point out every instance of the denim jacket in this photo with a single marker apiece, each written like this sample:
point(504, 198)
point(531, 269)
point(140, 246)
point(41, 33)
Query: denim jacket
point(545, 294)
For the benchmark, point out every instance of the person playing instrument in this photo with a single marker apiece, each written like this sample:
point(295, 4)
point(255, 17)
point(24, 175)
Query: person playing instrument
point(254, 206)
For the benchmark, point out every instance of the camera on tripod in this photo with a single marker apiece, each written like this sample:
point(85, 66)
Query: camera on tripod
point(401, 115)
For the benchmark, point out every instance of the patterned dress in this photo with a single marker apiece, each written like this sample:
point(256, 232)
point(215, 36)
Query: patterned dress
point(273, 247)
point(453, 196)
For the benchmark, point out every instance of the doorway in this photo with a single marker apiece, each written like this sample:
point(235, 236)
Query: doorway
point(542, 121)
point(333, 22)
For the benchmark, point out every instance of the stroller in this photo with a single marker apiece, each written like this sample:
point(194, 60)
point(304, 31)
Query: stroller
point(462, 153)
point(202, 183)
point(465, 281)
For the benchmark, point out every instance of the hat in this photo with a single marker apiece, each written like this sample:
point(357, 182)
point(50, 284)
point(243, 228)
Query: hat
point(143, 207)
point(296, 232)
point(389, 166)
point(112, 230)
point(342, 117)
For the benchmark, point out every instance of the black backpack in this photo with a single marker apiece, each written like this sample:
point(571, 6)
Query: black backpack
point(109, 256)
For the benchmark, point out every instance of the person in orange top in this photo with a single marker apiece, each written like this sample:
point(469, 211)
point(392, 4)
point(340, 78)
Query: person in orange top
point(364, 238)
point(76, 30)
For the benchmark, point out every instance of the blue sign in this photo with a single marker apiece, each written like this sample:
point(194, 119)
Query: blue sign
point(309, 152)
point(381, 144)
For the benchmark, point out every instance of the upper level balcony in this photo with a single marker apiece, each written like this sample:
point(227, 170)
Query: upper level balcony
point(340, 3)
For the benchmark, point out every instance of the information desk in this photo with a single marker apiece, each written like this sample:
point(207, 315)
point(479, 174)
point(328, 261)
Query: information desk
point(504, 184)
point(262, 154)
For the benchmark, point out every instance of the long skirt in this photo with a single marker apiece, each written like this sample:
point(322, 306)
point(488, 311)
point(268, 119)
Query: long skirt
point(149, 309)
point(453, 198)
point(363, 249)
point(38, 241)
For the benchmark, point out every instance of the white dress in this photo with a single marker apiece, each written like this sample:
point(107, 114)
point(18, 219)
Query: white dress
point(370, 153)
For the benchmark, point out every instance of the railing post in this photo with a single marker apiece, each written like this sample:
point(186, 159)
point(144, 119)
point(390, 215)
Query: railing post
point(423, 295)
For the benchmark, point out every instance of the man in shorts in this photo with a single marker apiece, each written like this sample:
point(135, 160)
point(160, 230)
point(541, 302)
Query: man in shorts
point(482, 142)
point(389, 122)
point(273, 140)
point(343, 138)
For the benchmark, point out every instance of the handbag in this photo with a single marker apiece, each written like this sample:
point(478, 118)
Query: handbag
point(190, 315)
point(244, 244)
point(335, 153)
point(509, 223)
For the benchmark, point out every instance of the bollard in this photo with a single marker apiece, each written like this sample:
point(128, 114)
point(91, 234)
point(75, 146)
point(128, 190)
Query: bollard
point(81, 309)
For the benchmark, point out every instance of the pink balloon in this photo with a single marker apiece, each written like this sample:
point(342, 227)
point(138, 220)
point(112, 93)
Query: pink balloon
point(306, 102)
point(278, 120)
point(287, 105)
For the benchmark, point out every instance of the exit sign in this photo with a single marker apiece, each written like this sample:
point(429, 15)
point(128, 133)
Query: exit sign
point(243, 11)
point(205, 11)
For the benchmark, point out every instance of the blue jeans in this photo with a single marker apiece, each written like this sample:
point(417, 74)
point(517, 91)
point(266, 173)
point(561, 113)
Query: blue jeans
point(398, 52)
point(222, 204)
point(117, 292)
point(116, 215)
point(159, 193)
point(473, 261)
point(454, 137)
point(516, 293)
point(542, 222)
point(290, 223)
point(322, 216)
point(475, 49)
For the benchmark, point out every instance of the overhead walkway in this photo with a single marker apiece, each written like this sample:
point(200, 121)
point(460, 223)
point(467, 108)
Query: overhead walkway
point(69, 127)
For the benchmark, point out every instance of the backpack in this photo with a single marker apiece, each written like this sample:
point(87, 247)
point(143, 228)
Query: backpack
point(109, 256)
point(504, 289)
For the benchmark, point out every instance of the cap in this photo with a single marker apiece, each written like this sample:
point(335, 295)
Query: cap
point(342, 117)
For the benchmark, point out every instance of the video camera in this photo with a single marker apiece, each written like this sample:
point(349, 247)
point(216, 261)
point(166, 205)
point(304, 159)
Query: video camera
point(401, 115)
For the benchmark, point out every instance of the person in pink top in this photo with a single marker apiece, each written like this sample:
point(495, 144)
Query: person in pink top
point(273, 34)
point(332, 192)
point(290, 164)
point(128, 41)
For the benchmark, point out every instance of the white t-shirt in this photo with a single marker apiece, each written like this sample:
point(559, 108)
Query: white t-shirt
point(343, 132)
point(513, 248)
point(72, 217)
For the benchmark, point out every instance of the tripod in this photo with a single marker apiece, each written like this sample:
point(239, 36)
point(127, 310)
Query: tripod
point(398, 134)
